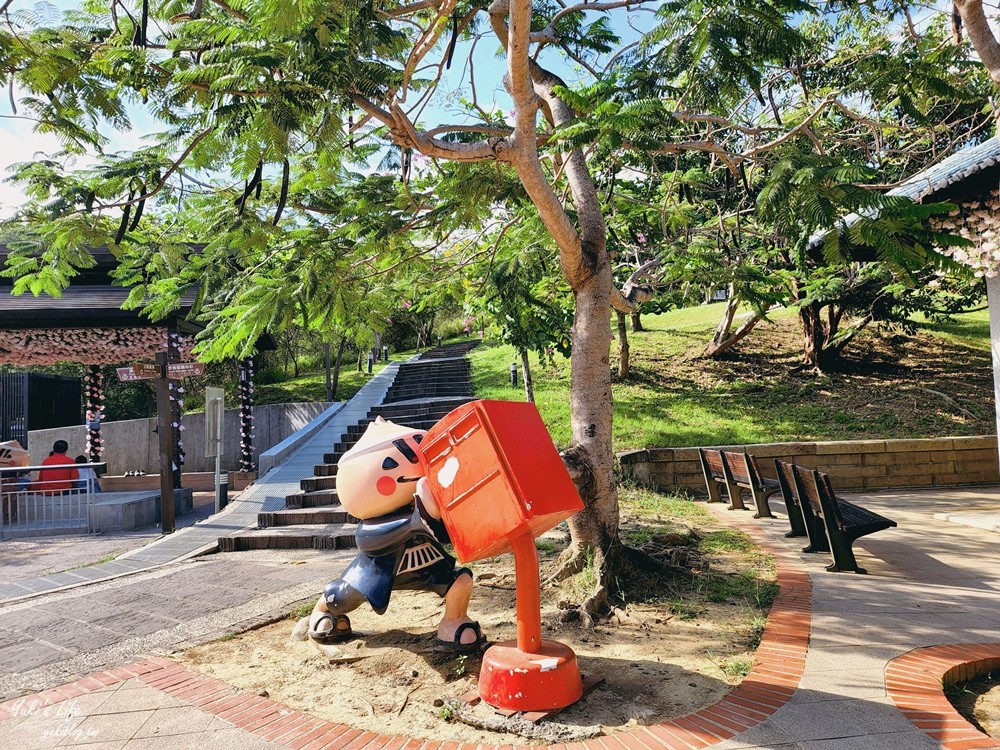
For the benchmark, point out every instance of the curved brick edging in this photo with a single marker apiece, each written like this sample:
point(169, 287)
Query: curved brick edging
point(916, 682)
point(778, 666)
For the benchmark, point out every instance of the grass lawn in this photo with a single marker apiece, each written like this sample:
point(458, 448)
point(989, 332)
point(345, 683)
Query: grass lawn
point(312, 386)
point(935, 383)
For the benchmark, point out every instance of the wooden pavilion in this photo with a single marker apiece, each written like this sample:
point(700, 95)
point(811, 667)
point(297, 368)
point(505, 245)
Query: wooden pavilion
point(87, 325)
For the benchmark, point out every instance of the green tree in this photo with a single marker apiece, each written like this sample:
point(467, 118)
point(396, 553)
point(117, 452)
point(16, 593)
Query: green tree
point(287, 185)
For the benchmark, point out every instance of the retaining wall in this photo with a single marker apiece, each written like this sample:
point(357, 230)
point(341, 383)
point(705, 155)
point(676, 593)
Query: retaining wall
point(851, 464)
point(132, 445)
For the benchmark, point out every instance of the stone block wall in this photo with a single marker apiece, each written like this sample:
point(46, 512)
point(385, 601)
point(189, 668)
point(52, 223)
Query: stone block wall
point(132, 445)
point(851, 464)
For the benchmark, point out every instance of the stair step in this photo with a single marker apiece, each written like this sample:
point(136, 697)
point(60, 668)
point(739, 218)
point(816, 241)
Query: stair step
point(419, 423)
point(316, 499)
point(403, 395)
point(321, 515)
point(328, 536)
point(312, 484)
point(432, 405)
point(325, 470)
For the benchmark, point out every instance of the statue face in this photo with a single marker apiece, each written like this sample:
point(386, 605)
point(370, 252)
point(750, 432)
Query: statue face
point(379, 473)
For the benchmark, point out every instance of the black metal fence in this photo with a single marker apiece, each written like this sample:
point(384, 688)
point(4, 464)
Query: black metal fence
point(36, 401)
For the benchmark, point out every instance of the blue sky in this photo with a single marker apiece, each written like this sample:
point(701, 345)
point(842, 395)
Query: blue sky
point(19, 143)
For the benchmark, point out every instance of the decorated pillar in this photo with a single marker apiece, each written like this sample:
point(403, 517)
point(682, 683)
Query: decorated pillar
point(993, 299)
point(176, 392)
point(93, 388)
point(246, 415)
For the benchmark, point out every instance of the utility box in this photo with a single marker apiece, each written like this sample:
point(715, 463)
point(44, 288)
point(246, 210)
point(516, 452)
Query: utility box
point(495, 475)
point(36, 401)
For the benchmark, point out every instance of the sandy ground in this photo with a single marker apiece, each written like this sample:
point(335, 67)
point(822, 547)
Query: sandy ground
point(392, 679)
point(987, 709)
point(978, 700)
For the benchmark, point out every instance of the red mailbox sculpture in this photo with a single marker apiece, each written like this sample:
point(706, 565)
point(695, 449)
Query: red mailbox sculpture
point(499, 483)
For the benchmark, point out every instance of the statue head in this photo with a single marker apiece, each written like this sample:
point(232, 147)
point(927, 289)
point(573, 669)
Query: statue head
point(379, 474)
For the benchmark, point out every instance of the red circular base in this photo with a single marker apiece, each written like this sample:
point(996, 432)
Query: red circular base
point(517, 681)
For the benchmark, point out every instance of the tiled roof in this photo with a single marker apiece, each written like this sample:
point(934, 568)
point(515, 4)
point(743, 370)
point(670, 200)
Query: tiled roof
point(936, 178)
point(946, 173)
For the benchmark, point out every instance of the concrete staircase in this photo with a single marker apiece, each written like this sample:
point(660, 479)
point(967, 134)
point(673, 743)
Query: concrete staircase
point(423, 392)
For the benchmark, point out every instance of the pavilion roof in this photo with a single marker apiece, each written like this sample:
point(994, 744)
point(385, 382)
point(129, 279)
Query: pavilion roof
point(91, 300)
point(963, 175)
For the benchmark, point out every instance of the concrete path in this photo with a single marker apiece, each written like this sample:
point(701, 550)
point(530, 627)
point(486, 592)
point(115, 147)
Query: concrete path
point(240, 514)
point(929, 582)
point(839, 668)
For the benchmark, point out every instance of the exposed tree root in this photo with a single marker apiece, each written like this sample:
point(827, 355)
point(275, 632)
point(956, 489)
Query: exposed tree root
point(571, 561)
point(617, 572)
point(550, 732)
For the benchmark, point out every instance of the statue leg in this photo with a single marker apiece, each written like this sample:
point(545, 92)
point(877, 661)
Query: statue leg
point(456, 628)
point(328, 621)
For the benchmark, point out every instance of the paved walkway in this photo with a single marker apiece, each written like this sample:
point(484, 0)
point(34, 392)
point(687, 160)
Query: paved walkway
point(240, 514)
point(846, 662)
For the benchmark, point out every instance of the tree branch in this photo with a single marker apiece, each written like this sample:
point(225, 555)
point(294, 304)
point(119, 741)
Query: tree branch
point(404, 133)
point(166, 176)
point(978, 28)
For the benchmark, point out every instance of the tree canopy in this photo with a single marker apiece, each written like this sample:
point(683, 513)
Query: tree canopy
point(309, 158)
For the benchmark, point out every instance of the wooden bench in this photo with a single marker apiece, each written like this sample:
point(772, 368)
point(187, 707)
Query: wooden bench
point(744, 474)
point(800, 516)
point(843, 522)
point(717, 474)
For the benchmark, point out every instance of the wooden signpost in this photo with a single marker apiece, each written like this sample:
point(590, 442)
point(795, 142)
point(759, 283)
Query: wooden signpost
point(162, 373)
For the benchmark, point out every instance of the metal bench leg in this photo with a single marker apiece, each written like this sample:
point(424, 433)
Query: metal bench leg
point(795, 520)
point(735, 497)
point(843, 556)
point(714, 496)
point(763, 507)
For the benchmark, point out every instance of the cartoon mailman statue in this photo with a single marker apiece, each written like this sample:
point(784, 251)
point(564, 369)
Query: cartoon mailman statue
point(399, 538)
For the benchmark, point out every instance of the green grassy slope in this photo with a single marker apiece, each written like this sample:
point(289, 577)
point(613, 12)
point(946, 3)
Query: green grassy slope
point(935, 383)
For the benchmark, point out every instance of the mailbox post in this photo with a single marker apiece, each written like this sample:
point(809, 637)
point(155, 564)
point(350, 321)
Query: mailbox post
point(499, 483)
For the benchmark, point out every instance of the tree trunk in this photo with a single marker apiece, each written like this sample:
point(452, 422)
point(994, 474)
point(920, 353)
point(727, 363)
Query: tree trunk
point(978, 28)
point(623, 347)
point(361, 354)
point(723, 340)
point(326, 367)
point(529, 387)
point(722, 329)
point(590, 459)
point(336, 367)
point(637, 323)
point(812, 335)
point(818, 351)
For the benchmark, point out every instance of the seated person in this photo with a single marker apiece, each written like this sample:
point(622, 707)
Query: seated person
point(62, 474)
point(88, 477)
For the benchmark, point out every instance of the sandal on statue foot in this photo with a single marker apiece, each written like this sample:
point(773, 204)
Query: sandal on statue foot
point(339, 630)
point(457, 647)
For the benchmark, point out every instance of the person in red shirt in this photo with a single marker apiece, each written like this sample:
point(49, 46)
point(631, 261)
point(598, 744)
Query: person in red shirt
point(64, 474)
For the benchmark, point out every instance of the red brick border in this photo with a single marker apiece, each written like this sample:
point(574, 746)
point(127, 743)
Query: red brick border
point(916, 682)
point(779, 663)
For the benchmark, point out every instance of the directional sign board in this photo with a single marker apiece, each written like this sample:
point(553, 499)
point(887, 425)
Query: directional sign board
point(146, 370)
point(185, 370)
point(150, 371)
point(127, 374)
